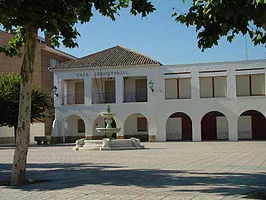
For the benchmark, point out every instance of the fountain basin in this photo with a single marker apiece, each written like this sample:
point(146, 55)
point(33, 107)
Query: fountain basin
point(108, 132)
point(108, 144)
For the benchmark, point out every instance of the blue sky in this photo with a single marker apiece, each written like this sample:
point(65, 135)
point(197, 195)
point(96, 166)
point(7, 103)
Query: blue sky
point(159, 37)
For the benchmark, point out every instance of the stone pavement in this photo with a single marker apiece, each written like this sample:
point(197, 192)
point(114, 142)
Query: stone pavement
point(168, 171)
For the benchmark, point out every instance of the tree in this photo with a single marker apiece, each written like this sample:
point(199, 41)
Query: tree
point(58, 19)
point(9, 101)
point(215, 19)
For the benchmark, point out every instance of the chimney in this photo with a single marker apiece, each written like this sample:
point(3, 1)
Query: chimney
point(47, 37)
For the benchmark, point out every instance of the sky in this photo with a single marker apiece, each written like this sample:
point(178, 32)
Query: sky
point(159, 37)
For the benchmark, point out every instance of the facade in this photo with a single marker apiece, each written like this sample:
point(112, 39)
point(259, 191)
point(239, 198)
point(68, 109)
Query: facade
point(193, 102)
point(45, 57)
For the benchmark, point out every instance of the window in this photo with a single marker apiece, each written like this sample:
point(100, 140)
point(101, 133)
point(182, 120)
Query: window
point(53, 62)
point(81, 126)
point(79, 92)
point(142, 124)
point(250, 85)
point(178, 88)
point(213, 87)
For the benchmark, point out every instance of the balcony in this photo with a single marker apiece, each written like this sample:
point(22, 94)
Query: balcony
point(139, 96)
point(102, 98)
point(70, 99)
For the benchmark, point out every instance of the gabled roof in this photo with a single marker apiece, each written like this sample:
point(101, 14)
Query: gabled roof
point(113, 57)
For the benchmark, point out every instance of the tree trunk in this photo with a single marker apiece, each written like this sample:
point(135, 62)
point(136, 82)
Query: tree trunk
point(18, 176)
point(15, 133)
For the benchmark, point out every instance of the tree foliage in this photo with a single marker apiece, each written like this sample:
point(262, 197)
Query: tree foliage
point(214, 19)
point(9, 101)
point(58, 18)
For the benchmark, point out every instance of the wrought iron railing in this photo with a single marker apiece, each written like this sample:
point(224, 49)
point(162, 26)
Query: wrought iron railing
point(135, 96)
point(69, 99)
point(101, 98)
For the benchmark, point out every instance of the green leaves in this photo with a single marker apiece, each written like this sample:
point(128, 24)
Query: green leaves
point(15, 43)
point(9, 101)
point(215, 19)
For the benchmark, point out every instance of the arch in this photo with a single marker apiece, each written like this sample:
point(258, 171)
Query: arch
point(179, 127)
point(214, 126)
point(74, 128)
point(251, 125)
point(74, 112)
point(136, 125)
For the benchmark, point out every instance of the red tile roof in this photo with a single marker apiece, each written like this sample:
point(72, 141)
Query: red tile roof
point(113, 57)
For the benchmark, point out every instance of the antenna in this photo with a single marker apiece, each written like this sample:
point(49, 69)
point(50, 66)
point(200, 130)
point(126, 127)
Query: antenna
point(246, 48)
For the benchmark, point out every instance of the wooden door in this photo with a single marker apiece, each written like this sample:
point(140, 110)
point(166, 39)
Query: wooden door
point(79, 93)
point(110, 91)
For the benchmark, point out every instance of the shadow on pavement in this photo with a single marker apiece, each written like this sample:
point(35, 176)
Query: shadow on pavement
point(61, 176)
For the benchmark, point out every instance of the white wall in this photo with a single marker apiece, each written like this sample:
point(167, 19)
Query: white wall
point(174, 129)
point(157, 109)
point(36, 129)
point(6, 131)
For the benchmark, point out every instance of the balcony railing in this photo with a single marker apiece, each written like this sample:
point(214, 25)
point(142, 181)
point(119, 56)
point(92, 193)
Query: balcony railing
point(135, 96)
point(101, 98)
point(69, 99)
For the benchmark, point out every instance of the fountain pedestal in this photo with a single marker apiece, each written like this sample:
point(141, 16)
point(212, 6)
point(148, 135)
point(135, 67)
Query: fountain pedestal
point(108, 143)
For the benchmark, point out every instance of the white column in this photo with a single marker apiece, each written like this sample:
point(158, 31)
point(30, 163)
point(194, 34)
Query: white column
point(152, 128)
point(161, 130)
point(88, 90)
point(233, 130)
point(119, 89)
point(58, 95)
point(231, 84)
point(196, 129)
point(195, 86)
point(64, 92)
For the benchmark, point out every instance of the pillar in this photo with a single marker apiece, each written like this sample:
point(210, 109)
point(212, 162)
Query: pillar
point(88, 90)
point(196, 129)
point(119, 89)
point(195, 86)
point(233, 129)
point(231, 84)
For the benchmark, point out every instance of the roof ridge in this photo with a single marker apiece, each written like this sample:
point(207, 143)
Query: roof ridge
point(137, 53)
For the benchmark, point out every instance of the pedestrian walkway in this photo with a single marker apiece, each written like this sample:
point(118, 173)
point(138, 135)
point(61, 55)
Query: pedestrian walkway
point(168, 171)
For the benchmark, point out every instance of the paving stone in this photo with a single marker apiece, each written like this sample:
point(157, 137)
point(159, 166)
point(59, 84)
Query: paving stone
point(168, 171)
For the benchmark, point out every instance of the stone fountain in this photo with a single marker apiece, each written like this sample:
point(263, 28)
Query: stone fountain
point(108, 143)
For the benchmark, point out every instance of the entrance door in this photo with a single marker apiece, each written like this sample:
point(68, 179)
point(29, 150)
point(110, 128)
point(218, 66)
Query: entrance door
point(208, 127)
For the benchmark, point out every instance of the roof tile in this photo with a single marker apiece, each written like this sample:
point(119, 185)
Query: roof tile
point(116, 56)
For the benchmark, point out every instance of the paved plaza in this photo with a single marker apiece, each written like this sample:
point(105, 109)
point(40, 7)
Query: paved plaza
point(173, 170)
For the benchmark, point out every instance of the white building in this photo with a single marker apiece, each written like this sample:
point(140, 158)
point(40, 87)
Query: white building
point(196, 102)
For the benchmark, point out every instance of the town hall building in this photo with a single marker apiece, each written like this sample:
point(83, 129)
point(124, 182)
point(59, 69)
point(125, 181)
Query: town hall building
point(155, 102)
